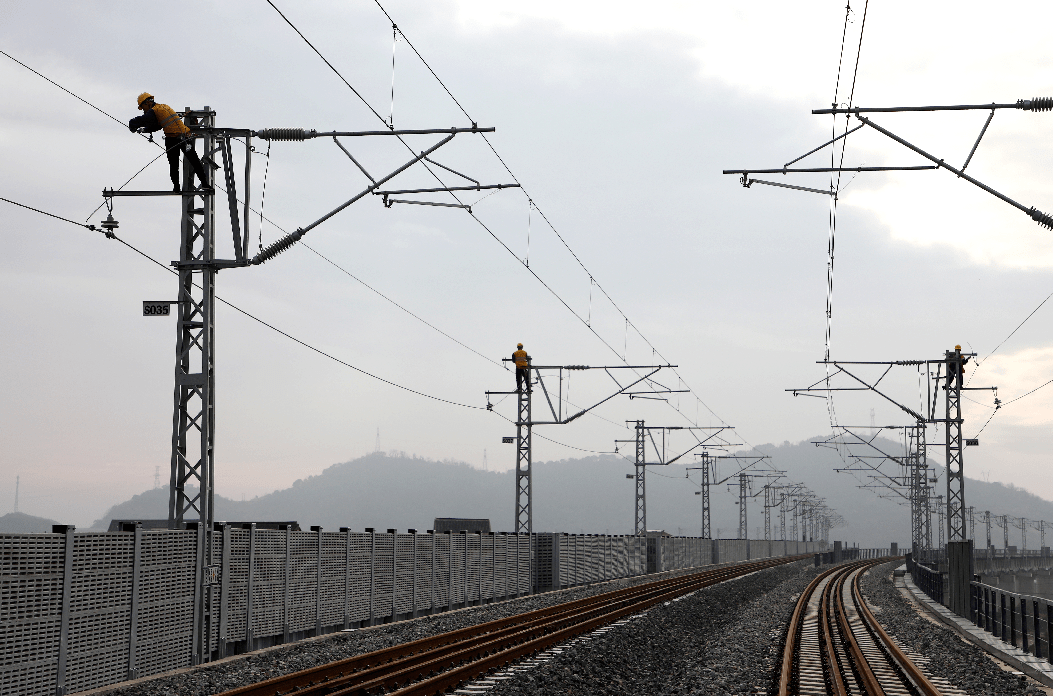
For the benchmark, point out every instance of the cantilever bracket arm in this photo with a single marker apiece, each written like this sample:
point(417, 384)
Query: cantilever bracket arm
point(1038, 216)
point(603, 401)
point(866, 387)
point(753, 460)
point(380, 181)
point(1038, 104)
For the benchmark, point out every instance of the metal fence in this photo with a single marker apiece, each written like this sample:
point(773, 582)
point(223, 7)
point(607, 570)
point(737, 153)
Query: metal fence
point(1021, 620)
point(931, 581)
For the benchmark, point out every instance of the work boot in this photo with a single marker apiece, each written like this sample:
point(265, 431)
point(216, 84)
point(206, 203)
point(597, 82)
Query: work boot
point(176, 188)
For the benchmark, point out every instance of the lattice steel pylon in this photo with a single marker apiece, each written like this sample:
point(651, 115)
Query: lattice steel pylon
point(918, 488)
point(743, 495)
point(1005, 531)
point(928, 517)
point(782, 516)
point(706, 509)
point(940, 512)
point(955, 476)
point(524, 518)
point(640, 462)
point(768, 505)
point(193, 414)
point(987, 523)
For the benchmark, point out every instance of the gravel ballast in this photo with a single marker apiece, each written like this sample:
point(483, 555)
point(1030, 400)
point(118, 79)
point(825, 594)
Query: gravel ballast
point(952, 658)
point(723, 639)
point(256, 667)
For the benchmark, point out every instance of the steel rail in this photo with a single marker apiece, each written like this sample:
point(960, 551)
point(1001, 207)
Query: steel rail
point(793, 634)
point(360, 663)
point(831, 665)
point(859, 661)
point(835, 630)
point(472, 646)
point(885, 642)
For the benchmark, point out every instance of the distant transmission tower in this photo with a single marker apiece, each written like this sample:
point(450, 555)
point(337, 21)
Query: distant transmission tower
point(157, 477)
point(377, 447)
point(486, 467)
point(17, 482)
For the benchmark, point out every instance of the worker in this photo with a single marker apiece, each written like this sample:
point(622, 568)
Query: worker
point(522, 361)
point(161, 116)
point(950, 365)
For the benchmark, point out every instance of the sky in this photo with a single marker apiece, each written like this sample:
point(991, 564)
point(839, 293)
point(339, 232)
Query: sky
point(617, 119)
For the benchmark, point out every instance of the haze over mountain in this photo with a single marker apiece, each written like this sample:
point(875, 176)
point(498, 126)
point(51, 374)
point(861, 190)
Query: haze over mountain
point(21, 523)
point(590, 495)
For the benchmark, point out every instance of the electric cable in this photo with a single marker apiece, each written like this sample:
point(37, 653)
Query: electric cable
point(257, 319)
point(555, 231)
point(44, 212)
point(262, 218)
point(1011, 333)
point(67, 91)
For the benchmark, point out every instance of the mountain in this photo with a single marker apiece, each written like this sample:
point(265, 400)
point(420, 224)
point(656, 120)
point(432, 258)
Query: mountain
point(590, 495)
point(21, 523)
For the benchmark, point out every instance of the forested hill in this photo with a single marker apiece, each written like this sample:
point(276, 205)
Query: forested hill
point(590, 495)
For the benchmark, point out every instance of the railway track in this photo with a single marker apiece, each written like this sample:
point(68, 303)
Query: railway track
point(439, 663)
point(835, 645)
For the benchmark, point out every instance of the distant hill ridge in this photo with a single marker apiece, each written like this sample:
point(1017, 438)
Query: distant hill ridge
point(587, 495)
point(21, 523)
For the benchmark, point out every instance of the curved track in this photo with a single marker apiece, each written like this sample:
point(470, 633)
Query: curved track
point(834, 645)
point(436, 664)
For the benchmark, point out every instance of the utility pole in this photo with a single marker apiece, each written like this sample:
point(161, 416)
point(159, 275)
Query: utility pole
point(643, 434)
point(524, 504)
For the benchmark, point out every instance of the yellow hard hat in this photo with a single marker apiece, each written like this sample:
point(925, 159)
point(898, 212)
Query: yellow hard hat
point(144, 96)
point(957, 347)
point(519, 345)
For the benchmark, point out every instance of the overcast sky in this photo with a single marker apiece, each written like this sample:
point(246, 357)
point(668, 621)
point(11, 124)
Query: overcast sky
point(618, 119)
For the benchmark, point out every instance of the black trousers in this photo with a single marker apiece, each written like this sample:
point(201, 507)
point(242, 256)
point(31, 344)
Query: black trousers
point(522, 375)
point(173, 146)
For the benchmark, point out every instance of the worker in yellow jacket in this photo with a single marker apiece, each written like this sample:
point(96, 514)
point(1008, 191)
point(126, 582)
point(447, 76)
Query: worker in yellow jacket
point(161, 116)
point(522, 361)
point(951, 360)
